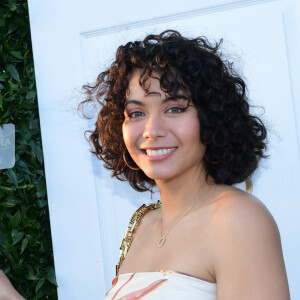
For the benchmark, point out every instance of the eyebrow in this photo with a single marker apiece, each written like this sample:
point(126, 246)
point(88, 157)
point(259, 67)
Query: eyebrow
point(127, 102)
point(177, 98)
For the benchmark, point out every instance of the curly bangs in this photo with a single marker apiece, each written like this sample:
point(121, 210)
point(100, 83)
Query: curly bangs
point(235, 139)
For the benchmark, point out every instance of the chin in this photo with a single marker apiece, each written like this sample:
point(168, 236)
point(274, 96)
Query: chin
point(160, 175)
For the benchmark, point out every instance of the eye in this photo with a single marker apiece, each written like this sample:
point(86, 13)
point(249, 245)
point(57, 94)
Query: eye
point(135, 114)
point(176, 110)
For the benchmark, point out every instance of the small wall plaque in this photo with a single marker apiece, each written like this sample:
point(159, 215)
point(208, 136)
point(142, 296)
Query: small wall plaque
point(7, 146)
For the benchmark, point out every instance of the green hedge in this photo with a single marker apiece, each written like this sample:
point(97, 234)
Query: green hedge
point(25, 241)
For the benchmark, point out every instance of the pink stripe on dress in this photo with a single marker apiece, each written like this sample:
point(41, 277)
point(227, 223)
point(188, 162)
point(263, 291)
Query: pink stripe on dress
point(143, 292)
point(122, 286)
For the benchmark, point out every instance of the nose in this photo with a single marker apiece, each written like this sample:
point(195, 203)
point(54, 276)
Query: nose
point(155, 127)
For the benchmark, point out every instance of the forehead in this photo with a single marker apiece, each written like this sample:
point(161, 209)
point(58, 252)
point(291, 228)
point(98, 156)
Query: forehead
point(151, 85)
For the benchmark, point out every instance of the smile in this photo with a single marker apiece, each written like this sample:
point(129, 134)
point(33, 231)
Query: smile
point(158, 155)
point(159, 152)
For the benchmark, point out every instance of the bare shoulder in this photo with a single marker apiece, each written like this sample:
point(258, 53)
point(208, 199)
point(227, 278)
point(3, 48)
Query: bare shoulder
point(247, 250)
point(239, 211)
point(242, 220)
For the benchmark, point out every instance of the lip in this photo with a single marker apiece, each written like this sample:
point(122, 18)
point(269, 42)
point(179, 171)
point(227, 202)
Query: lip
point(157, 157)
point(155, 148)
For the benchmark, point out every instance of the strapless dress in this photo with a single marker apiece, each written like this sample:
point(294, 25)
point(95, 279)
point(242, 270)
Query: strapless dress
point(162, 285)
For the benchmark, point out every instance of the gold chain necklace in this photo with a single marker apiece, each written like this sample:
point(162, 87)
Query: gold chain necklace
point(163, 238)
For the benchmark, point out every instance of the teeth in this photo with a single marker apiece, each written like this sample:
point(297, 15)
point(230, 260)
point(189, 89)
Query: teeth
point(159, 152)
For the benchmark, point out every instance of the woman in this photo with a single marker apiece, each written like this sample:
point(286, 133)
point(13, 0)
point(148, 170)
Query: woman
point(176, 117)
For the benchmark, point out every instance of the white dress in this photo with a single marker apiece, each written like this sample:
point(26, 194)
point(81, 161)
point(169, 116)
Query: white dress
point(161, 285)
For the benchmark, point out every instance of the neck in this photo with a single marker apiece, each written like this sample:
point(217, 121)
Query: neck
point(180, 193)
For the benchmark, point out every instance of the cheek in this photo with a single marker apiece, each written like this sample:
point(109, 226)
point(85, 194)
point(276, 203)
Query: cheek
point(190, 129)
point(129, 136)
point(125, 135)
point(190, 133)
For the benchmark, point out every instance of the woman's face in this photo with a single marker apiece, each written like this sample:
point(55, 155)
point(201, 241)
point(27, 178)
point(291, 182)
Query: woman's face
point(161, 135)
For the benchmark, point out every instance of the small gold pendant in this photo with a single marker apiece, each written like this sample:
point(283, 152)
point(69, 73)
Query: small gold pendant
point(161, 241)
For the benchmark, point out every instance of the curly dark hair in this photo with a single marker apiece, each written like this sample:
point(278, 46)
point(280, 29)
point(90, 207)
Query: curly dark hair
point(235, 139)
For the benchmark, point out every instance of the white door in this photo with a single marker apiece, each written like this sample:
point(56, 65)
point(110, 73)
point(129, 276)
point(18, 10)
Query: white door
point(74, 40)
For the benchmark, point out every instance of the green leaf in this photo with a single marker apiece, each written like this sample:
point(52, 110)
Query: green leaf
point(41, 203)
point(51, 275)
point(12, 5)
point(17, 237)
point(7, 189)
point(39, 284)
point(40, 295)
point(21, 166)
point(31, 95)
point(26, 54)
point(39, 154)
point(43, 260)
point(34, 124)
point(10, 202)
point(24, 245)
point(16, 54)
point(21, 163)
point(41, 172)
point(13, 72)
point(1, 101)
point(52, 279)
point(30, 275)
point(12, 176)
point(5, 238)
point(11, 27)
point(9, 99)
point(15, 220)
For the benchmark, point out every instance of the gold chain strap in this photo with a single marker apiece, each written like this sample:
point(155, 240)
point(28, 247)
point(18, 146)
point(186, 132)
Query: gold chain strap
point(133, 224)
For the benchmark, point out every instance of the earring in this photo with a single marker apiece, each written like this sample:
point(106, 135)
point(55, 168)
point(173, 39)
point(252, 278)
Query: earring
point(126, 163)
